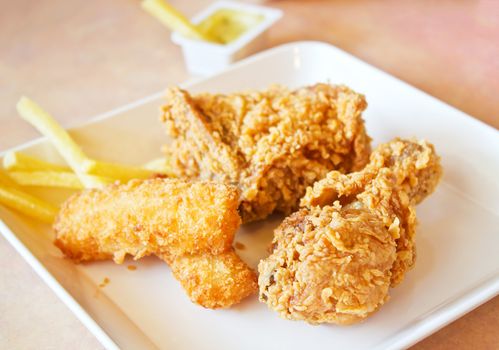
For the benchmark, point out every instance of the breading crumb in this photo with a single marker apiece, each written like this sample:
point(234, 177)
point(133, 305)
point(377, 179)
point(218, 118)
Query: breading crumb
point(239, 245)
point(104, 282)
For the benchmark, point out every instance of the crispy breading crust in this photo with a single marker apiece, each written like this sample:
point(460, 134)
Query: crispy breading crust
point(414, 163)
point(400, 174)
point(157, 216)
point(273, 143)
point(176, 220)
point(328, 265)
point(335, 259)
point(215, 281)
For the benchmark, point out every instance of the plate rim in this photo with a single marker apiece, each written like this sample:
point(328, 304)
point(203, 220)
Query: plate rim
point(436, 319)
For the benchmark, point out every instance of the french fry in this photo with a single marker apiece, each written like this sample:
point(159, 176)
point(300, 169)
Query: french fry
point(59, 137)
point(116, 171)
point(90, 172)
point(20, 162)
point(173, 19)
point(53, 179)
point(17, 161)
point(160, 165)
point(6, 180)
point(27, 204)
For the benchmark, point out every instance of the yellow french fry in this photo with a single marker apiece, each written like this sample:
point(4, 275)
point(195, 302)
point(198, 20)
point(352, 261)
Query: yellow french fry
point(17, 161)
point(173, 19)
point(20, 162)
point(27, 204)
point(53, 179)
point(160, 165)
point(6, 180)
point(82, 165)
point(59, 137)
point(116, 171)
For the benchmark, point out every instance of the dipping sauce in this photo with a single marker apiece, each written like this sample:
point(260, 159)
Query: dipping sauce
point(227, 25)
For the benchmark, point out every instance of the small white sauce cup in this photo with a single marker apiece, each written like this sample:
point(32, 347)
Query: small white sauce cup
point(205, 58)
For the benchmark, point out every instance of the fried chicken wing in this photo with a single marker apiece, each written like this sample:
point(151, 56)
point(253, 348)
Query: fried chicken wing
point(336, 258)
point(273, 143)
point(189, 225)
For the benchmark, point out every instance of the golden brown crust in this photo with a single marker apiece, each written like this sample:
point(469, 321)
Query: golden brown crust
point(215, 281)
point(143, 217)
point(400, 174)
point(414, 162)
point(273, 143)
point(328, 265)
point(189, 225)
point(354, 238)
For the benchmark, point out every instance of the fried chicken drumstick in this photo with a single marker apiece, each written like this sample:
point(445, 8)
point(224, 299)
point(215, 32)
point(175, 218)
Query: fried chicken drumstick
point(191, 226)
point(272, 144)
point(335, 259)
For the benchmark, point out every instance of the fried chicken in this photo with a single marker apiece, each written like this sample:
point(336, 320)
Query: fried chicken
point(272, 144)
point(215, 281)
point(189, 225)
point(335, 259)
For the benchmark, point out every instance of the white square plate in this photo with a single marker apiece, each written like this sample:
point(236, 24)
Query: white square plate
point(458, 237)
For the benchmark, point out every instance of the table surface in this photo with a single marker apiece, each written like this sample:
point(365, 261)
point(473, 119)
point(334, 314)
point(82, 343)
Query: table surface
point(67, 54)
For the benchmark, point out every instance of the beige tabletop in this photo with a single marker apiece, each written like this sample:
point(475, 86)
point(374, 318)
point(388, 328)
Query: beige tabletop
point(79, 58)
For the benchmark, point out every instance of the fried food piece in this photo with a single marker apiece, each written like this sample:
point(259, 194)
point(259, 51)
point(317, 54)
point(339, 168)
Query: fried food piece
point(273, 143)
point(320, 256)
point(157, 216)
point(336, 258)
point(179, 221)
point(414, 163)
point(215, 281)
point(400, 174)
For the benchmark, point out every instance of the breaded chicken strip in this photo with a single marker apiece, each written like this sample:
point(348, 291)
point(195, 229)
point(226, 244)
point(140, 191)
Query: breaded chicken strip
point(143, 217)
point(336, 258)
point(272, 143)
point(189, 225)
point(214, 281)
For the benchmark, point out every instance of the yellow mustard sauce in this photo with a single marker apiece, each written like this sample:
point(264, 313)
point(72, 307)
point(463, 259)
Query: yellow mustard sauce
point(226, 25)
